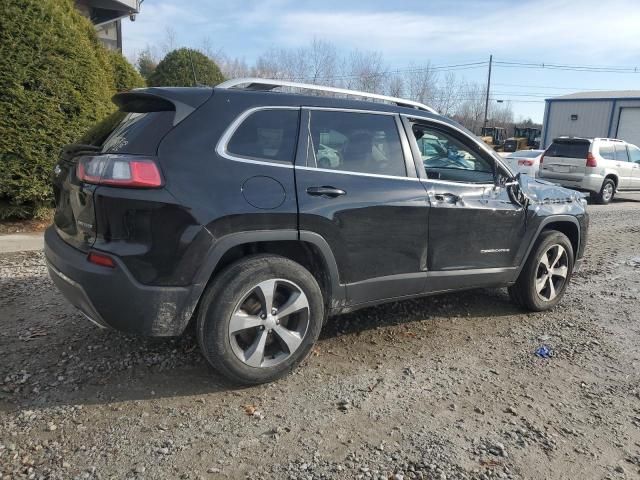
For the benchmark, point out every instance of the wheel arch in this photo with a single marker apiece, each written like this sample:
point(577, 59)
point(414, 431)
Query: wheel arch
point(307, 248)
point(566, 224)
point(612, 176)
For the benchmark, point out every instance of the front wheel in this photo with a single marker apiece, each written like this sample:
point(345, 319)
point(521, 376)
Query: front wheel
point(546, 274)
point(259, 319)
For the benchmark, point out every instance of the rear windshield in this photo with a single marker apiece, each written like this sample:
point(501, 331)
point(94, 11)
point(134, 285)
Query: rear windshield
point(129, 132)
point(568, 149)
point(525, 154)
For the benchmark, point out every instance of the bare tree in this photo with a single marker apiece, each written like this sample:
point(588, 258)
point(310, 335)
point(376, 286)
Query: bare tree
point(206, 47)
point(421, 84)
point(470, 111)
point(321, 61)
point(502, 116)
point(395, 86)
point(449, 95)
point(282, 63)
point(364, 71)
point(169, 42)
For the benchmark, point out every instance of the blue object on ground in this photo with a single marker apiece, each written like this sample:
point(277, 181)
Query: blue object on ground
point(543, 351)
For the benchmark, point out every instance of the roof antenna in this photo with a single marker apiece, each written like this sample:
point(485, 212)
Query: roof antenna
point(195, 80)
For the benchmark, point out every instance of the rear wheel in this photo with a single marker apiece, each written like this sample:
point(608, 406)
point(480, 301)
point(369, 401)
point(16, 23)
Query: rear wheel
point(260, 318)
point(607, 192)
point(545, 276)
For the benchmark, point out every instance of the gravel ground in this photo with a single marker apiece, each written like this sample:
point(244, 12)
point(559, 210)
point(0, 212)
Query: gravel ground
point(444, 387)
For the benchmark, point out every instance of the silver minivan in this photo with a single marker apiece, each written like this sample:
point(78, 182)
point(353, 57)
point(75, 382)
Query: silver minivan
point(600, 166)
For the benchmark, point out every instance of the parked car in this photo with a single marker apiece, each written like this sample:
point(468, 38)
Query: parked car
point(600, 166)
point(525, 161)
point(209, 205)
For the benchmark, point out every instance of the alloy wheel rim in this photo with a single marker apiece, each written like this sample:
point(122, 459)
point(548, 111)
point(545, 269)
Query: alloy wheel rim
point(269, 324)
point(552, 271)
point(607, 191)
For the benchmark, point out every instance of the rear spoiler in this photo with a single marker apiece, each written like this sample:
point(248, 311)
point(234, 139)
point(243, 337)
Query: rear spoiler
point(181, 100)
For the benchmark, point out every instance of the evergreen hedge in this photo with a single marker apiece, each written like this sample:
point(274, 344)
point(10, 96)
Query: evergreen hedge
point(125, 76)
point(56, 80)
point(176, 70)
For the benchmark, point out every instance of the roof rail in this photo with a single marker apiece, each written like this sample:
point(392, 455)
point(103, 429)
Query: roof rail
point(269, 84)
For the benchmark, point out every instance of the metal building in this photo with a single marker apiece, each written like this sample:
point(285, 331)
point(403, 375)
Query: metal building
point(611, 114)
point(107, 17)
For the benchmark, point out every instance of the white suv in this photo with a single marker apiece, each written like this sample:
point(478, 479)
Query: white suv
point(600, 166)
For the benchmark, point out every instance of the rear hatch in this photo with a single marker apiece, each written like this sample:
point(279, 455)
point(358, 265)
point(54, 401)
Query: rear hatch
point(144, 117)
point(566, 159)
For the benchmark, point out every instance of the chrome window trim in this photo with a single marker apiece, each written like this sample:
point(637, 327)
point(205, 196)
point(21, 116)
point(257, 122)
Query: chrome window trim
point(361, 174)
point(221, 147)
point(463, 184)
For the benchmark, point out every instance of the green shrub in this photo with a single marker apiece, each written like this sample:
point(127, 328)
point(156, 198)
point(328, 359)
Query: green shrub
point(176, 70)
point(124, 75)
point(55, 82)
point(146, 63)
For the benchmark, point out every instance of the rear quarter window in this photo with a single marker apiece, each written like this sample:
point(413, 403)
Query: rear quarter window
point(269, 135)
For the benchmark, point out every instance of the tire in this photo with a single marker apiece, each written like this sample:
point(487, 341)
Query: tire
point(607, 192)
point(535, 289)
point(255, 346)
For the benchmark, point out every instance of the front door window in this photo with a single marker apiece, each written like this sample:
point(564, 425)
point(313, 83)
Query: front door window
point(446, 158)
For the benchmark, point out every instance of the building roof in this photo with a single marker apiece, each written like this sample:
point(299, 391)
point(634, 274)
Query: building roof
point(601, 94)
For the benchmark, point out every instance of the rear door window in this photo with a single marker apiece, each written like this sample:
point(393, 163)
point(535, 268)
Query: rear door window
point(607, 152)
point(568, 149)
point(268, 135)
point(621, 153)
point(355, 142)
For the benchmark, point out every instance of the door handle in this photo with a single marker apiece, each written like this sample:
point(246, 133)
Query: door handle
point(446, 197)
point(330, 192)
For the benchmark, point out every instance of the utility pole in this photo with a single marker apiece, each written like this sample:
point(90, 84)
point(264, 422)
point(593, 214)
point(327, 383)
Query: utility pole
point(486, 100)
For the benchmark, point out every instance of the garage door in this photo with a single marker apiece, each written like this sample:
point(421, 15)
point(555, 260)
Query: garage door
point(629, 125)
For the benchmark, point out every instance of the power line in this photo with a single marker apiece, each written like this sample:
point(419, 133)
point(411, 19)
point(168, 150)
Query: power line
point(536, 62)
point(549, 87)
point(566, 67)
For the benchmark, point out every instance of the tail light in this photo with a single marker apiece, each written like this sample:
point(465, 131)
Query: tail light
point(119, 171)
point(591, 160)
point(525, 163)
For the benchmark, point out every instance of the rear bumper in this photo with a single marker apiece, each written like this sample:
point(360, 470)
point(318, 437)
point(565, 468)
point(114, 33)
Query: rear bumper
point(111, 297)
point(587, 183)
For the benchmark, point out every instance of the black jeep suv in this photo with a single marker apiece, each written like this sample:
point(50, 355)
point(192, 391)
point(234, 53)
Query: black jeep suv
point(259, 213)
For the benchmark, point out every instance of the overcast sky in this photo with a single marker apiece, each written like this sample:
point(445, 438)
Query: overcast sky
point(415, 32)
